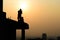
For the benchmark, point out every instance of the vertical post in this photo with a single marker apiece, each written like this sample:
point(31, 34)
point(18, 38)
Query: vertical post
point(23, 34)
point(1, 5)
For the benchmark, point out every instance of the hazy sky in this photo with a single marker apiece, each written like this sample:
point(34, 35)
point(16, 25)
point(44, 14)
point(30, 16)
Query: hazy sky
point(41, 15)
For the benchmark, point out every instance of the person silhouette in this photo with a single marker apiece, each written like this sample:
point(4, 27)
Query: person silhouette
point(19, 14)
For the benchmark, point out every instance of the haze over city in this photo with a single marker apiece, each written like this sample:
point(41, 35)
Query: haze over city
point(41, 15)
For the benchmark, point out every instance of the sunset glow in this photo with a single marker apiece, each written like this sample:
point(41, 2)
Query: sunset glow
point(23, 5)
point(41, 15)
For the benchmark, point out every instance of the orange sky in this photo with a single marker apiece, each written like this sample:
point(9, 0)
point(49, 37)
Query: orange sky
point(41, 15)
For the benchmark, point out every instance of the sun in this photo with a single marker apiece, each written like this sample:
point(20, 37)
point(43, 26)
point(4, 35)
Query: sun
point(23, 5)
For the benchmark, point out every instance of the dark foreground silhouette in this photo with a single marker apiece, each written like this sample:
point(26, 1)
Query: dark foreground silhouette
point(8, 26)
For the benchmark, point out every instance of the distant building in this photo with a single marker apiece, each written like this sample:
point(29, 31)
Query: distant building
point(44, 36)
